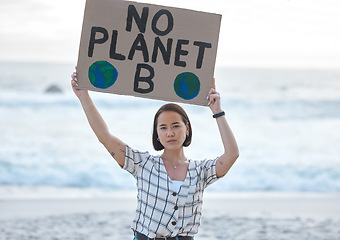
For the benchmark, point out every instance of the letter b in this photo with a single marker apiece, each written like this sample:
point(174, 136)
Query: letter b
point(147, 79)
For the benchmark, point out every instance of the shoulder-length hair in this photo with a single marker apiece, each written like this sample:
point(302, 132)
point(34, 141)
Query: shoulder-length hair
point(175, 108)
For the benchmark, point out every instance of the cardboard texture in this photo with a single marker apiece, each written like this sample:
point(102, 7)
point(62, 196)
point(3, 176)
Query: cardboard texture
point(148, 51)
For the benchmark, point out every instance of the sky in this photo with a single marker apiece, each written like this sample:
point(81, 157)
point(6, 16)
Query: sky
point(254, 33)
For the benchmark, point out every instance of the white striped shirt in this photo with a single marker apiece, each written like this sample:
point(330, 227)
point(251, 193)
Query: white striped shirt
point(161, 210)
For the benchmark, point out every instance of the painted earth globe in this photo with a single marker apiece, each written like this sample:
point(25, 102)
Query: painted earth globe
point(102, 74)
point(187, 85)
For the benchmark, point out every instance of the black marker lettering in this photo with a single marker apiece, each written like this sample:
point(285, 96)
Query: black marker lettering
point(180, 51)
point(155, 19)
point(140, 20)
point(139, 44)
point(202, 46)
point(93, 40)
point(113, 53)
point(146, 79)
point(166, 53)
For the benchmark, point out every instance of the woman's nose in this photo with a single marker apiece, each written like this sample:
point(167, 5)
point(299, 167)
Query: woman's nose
point(170, 133)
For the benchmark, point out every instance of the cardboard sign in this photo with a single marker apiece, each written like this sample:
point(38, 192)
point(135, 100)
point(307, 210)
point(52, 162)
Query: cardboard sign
point(147, 50)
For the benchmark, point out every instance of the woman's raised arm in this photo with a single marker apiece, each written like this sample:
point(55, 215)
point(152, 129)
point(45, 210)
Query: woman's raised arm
point(231, 153)
point(114, 145)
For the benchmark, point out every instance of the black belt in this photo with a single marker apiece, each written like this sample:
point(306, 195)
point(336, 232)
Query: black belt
point(140, 236)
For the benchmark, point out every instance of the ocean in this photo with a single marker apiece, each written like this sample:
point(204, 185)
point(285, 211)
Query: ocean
point(286, 122)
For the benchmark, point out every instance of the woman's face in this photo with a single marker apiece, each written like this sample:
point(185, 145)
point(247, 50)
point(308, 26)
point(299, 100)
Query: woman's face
point(171, 130)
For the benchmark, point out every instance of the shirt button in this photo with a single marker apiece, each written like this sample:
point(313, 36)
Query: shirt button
point(173, 223)
point(176, 207)
point(174, 194)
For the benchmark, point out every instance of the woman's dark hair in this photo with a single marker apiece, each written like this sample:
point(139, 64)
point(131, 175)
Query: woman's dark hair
point(175, 108)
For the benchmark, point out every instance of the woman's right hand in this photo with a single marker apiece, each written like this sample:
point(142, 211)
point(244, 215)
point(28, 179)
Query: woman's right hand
point(74, 82)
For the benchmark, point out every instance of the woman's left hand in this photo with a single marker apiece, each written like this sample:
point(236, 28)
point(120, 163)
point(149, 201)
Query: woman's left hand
point(214, 99)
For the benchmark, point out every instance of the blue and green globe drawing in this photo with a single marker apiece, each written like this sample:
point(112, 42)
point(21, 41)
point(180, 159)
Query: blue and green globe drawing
point(187, 85)
point(102, 74)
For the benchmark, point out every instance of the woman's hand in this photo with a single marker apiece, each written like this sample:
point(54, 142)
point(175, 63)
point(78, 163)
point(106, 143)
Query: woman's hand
point(214, 99)
point(74, 82)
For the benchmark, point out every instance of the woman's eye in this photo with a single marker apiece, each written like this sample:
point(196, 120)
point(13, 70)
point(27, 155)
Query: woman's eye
point(176, 126)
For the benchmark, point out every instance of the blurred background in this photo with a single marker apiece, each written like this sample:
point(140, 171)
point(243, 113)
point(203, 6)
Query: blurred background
point(277, 71)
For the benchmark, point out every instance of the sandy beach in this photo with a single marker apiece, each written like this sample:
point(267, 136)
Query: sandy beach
point(47, 213)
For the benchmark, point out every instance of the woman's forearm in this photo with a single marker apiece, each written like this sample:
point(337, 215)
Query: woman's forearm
point(94, 118)
point(231, 152)
point(113, 144)
point(227, 136)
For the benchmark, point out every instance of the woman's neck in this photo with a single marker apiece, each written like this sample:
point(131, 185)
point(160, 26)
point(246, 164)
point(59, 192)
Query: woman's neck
point(174, 156)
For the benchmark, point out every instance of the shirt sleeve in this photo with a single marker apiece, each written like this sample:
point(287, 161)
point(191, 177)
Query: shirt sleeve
point(209, 172)
point(134, 160)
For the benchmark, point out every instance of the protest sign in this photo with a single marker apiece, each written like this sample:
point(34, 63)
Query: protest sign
point(148, 50)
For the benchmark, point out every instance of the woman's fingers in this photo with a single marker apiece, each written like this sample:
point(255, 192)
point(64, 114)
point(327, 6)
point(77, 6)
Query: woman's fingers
point(213, 97)
point(74, 80)
point(74, 83)
point(74, 75)
point(212, 91)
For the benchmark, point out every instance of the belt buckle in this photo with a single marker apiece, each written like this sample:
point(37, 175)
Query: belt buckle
point(165, 238)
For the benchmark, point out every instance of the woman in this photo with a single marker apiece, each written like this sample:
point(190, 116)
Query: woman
point(170, 186)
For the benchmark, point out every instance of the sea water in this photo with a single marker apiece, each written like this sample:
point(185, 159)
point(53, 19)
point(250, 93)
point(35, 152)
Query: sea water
point(286, 122)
